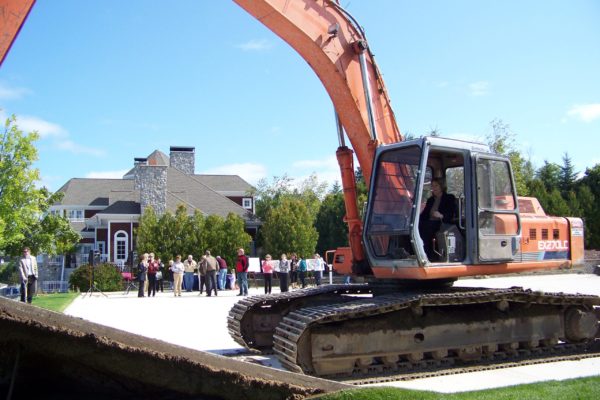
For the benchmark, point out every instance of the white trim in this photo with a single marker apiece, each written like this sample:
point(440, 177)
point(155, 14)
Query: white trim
point(126, 240)
point(75, 206)
point(232, 193)
point(103, 250)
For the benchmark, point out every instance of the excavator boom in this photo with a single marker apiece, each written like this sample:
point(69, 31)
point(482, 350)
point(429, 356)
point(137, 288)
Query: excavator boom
point(332, 43)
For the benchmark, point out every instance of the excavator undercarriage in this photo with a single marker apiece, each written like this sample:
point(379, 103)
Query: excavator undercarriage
point(345, 335)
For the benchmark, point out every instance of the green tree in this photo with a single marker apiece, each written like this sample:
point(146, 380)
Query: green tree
point(333, 231)
point(549, 174)
point(147, 232)
point(234, 237)
point(269, 194)
point(288, 227)
point(24, 218)
point(501, 140)
point(311, 191)
point(196, 237)
point(185, 234)
point(556, 205)
point(588, 192)
point(590, 213)
point(213, 234)
point(568, 175)
point(165, 238)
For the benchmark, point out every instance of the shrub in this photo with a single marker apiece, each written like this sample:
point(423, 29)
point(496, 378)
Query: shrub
point(106, 277)
point(9, 273)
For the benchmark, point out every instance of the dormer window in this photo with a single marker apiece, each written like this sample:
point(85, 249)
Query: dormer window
point(75, 215)
point(247, 203)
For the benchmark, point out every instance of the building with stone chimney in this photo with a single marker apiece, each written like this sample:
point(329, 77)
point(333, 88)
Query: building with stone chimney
point(106, 212)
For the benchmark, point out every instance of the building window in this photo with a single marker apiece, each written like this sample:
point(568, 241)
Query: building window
point(101, 247)
point(75, 215)
point(247, 203)
point(120, 252)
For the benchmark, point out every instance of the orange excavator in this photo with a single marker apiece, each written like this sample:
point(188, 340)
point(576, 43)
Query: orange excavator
point(407, 311)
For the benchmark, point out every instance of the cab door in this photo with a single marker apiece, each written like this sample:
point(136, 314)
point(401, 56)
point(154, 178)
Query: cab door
point(498, 222)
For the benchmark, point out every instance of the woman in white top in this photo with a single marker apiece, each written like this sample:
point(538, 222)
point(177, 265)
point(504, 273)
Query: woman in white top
point(284, 272)
point(177, 269)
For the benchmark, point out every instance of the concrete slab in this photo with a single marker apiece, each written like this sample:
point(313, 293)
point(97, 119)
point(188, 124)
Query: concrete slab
point(200, 322)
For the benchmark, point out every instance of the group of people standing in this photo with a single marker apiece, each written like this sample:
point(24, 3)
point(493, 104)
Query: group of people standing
point(212, 273)
point(151, 273)
point(292, 271)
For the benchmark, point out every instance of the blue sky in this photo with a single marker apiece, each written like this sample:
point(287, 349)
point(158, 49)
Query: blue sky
point(106, 81)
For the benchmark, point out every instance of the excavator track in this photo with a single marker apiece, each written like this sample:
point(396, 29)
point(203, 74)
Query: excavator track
point(422, 329)
point(499, 360)
point(252, 320)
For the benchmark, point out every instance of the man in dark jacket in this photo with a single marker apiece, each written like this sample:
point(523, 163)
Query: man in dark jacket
point(440, 208)
point(241, 267)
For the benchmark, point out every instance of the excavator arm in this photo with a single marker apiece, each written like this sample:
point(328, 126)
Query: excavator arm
point(333, 44)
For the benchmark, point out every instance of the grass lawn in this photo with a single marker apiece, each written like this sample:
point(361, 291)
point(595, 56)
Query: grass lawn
point(581, 389)
point(54, 301)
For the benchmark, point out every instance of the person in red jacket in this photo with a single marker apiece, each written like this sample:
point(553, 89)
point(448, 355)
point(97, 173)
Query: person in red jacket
point(241, 267)
point(153, 267)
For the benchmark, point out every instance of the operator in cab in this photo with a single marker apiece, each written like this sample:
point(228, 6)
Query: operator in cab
point(439, 209)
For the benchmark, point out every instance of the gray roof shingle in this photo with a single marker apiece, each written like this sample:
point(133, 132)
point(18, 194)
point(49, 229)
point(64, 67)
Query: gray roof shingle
point(186, 189)
point(92, 192)
point(225, 183)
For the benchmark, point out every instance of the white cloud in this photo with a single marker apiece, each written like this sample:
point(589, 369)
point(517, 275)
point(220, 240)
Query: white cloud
point(326, 169)
point(250, 172)
point(479, 88)
point(107, 174)
point(11, 93)
point(255, 45)
point(585, 112)
point(49, 181)
point(327, 163)
point(45, 128)
point(72, 147)
point(50, 130)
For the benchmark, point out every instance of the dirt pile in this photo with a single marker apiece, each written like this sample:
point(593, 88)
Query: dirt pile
point(57, 356)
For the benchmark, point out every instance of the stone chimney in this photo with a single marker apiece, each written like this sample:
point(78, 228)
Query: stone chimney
point(151, 181)
point(183, 158)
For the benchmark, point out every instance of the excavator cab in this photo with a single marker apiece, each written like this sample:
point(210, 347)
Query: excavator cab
point(481, 224)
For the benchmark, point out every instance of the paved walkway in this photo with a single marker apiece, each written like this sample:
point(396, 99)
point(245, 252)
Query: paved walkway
point(200, 323)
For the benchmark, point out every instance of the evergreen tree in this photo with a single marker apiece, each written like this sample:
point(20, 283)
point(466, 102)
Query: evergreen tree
point(147, 238)
point(166, 240)
point(588, 194)
point(549, 174)
point(568, 175)
point(196, 238)
point(213, 234)
point(590, 214)
point(333, 231)
point(234, 237)
point(556, 205)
